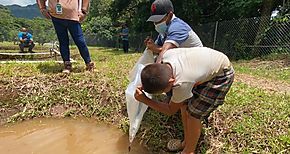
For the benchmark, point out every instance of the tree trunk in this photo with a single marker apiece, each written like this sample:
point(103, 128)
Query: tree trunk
point(264, 22)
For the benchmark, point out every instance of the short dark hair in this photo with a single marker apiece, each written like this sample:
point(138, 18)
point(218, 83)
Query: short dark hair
point(155, 77)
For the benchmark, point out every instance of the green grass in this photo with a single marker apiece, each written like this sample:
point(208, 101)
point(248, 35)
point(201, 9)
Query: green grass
point(273, 67)
point(250, 121)
point(6, 44)
point(11, 47)
point(261, 120)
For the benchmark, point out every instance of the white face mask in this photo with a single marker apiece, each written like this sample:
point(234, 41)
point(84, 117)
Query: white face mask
point(161, 27)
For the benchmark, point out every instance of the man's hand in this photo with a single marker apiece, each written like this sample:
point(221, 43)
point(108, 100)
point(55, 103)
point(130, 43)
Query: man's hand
point(151, 45)
point(23, 40)
point(82, 16)
point(148, 38)
point(45, 13)
point(149, 42)
point(139, 95)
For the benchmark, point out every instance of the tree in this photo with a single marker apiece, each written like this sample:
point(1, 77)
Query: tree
point(7, 24)
point(43, 30)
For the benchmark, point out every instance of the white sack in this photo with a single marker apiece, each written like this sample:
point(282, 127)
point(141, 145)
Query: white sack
point(136, 109)
point(146, 58)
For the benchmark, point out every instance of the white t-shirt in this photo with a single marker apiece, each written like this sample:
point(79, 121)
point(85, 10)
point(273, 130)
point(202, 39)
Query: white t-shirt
point(193, 66)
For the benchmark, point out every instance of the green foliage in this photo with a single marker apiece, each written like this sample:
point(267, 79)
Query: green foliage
point(43, 30)
point(99, 8)
point(27, 12)
point(136, 12)
point(188, 10)
point(7, 23)
point(101, 27)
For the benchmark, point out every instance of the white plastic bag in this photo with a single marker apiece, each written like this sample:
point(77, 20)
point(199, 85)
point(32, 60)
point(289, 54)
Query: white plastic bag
point(146, 58)
point(135, 109)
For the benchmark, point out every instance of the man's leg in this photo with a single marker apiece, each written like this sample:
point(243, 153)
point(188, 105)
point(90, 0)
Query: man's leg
point(78, 37)
point(194, 127)
point(127, 46)
point(60, 27)
point(31, 46)
point(184, 122)
point(21, 46)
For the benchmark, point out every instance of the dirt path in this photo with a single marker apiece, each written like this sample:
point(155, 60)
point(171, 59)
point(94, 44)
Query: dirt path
point(263, 83)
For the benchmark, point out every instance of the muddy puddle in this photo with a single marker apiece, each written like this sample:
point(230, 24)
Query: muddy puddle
point(64, 136)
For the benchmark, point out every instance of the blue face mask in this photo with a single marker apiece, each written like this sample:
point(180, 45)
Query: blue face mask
point(161, 28)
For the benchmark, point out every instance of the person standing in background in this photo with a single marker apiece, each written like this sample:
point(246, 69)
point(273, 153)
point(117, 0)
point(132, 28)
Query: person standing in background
point(125, 37)
point(67, 15)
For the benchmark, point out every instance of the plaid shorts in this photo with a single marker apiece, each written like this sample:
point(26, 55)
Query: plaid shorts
point(209, 95)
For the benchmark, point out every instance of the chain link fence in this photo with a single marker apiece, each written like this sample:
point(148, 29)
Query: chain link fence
point(136, 41)
point(239, 39)
point(246, 38)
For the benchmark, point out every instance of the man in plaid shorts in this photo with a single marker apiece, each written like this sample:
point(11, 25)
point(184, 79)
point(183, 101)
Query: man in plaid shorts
point(199, 78)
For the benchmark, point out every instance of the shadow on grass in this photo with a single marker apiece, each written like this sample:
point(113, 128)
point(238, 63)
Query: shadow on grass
point(54, 68)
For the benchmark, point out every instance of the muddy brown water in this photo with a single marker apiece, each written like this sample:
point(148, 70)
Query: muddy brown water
point(64, 136)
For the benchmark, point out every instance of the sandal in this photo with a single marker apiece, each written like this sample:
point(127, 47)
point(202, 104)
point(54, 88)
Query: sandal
point(174, 145)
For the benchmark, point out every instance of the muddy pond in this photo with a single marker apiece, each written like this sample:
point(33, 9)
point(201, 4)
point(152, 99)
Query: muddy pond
point(64, 136)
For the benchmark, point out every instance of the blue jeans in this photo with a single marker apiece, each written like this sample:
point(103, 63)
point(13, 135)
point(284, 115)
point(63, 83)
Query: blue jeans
point(62, 26)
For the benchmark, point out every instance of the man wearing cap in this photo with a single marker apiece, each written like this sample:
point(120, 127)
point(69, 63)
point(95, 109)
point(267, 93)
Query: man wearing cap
point(173, 32)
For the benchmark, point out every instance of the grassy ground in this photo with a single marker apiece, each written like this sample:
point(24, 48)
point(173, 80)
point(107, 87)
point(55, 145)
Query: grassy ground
point(275, 67)
point(11, 47)
point(252, 120)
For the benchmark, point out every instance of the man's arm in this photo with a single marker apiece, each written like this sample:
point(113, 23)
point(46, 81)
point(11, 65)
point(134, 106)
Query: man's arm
point(84, 10)
point(85, 6)
point(20, 37)
point(41, 4)
point(166, 46)
point(42, 8)
point(30, 37)
point(166, 108)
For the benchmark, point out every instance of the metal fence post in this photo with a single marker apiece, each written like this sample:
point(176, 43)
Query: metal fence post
point(215, 33)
